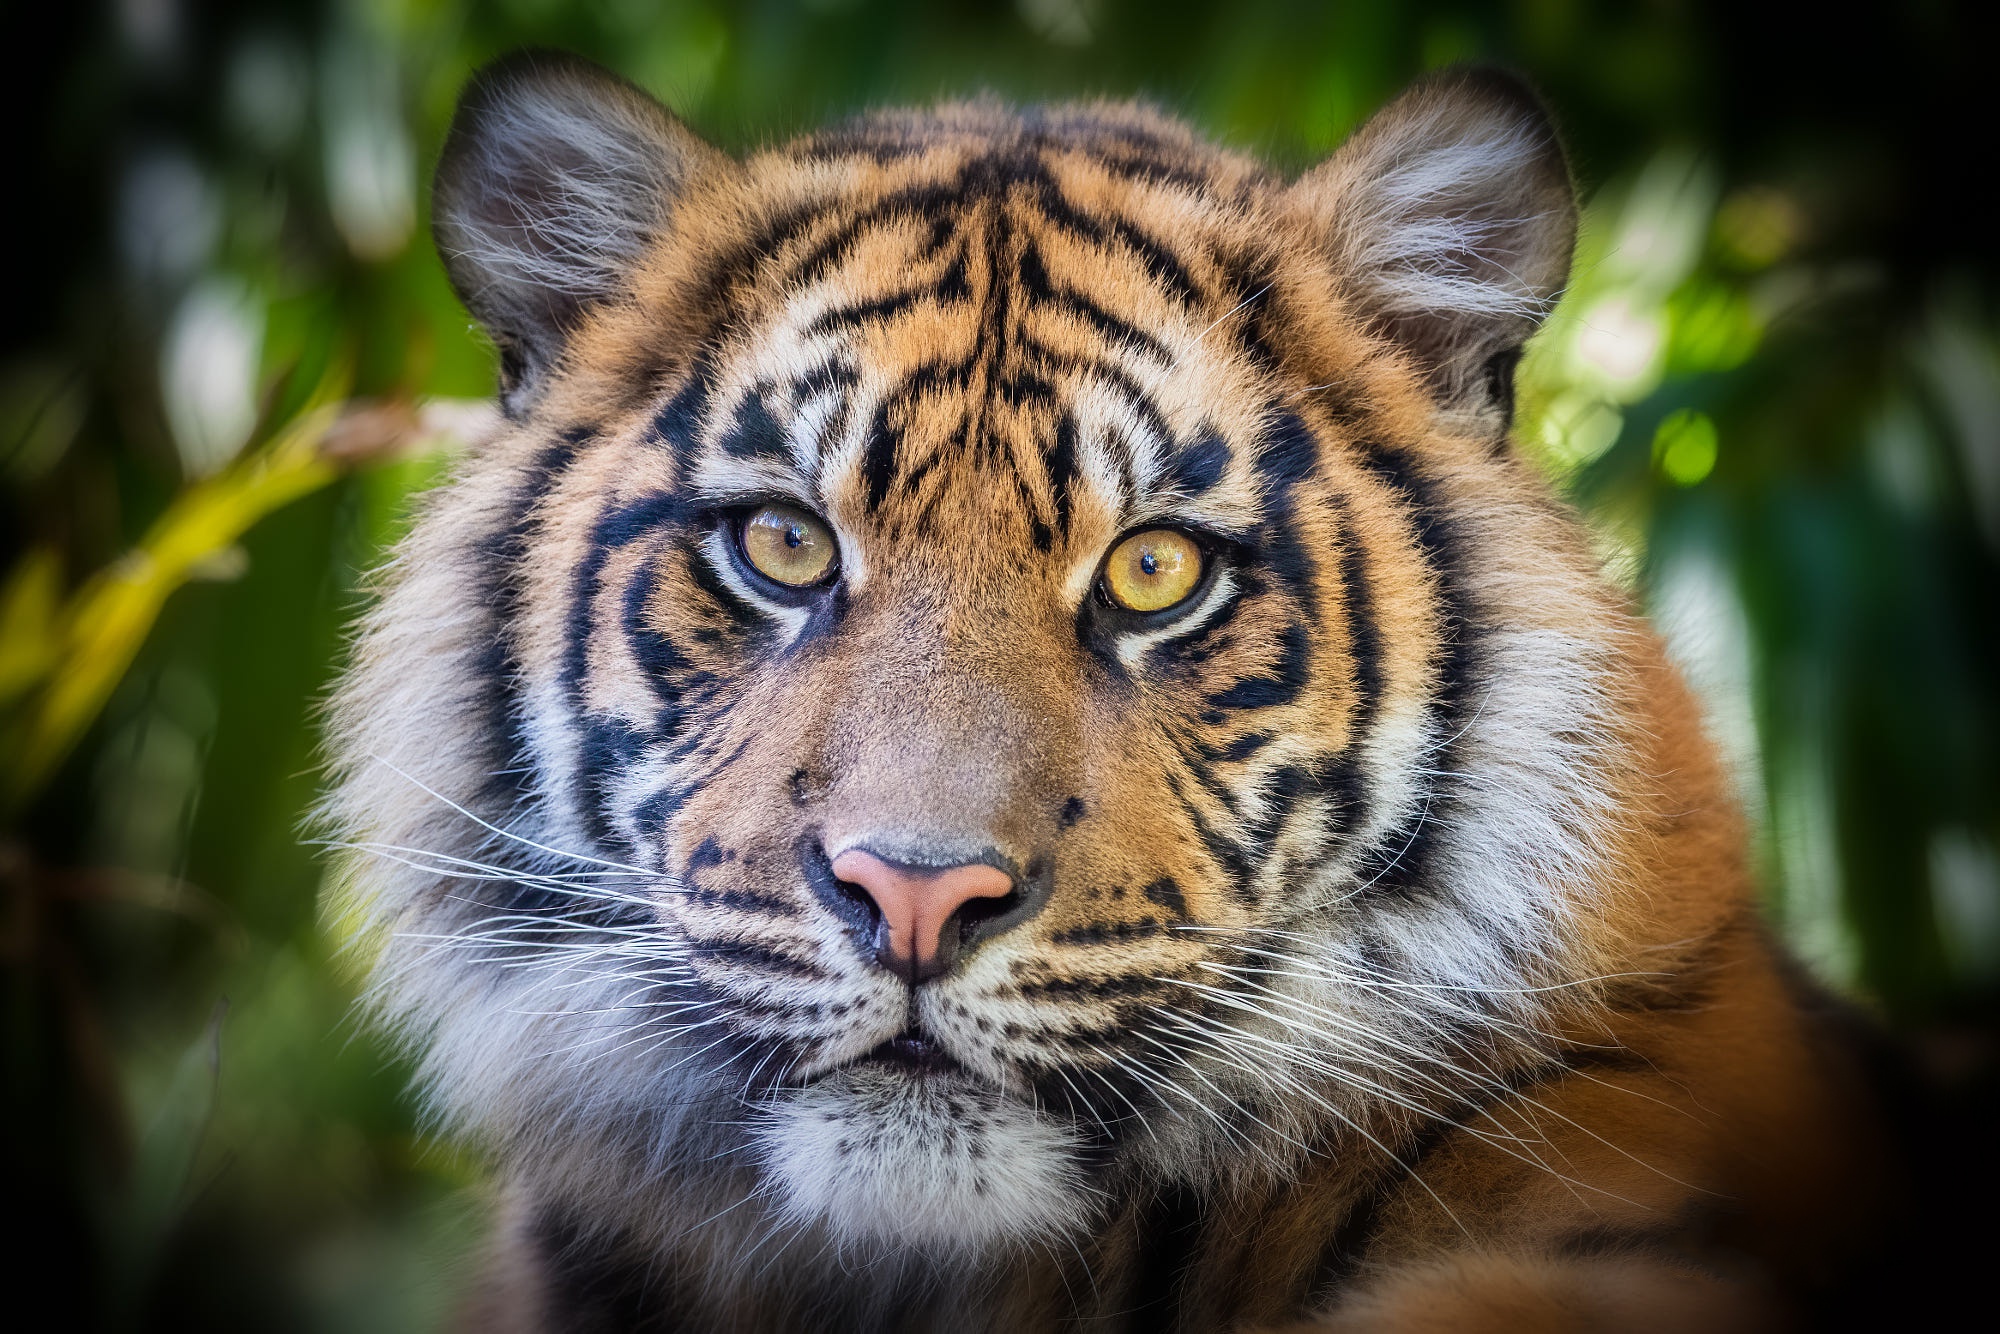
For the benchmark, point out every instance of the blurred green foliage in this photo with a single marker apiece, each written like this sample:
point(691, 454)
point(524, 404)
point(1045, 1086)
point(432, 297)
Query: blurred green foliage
point(1774, 390)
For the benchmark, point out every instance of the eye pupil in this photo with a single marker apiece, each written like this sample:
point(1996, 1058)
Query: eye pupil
point(1150, 562)
point(794, 535)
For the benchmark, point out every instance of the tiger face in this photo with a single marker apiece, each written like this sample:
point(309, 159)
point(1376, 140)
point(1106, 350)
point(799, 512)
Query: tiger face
point(977, 674)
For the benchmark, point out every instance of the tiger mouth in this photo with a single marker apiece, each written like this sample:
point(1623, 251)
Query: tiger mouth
point(911, 1052)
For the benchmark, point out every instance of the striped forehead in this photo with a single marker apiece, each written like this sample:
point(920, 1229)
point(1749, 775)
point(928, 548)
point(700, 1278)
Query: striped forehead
point(984, 337)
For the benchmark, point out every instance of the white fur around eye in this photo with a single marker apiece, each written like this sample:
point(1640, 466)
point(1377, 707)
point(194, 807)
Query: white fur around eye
point(1132, 648)
point(716, 547)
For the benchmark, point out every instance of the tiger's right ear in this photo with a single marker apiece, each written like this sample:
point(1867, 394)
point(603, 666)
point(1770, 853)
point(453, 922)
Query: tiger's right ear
point(1450, 218)
point(555, 177)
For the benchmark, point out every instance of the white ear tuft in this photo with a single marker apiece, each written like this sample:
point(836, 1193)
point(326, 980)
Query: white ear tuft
point(1450, 218)
point(554, 178)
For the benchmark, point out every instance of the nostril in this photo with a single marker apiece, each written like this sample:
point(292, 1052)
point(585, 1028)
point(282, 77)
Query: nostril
point(848, 899)
point(854, 893)
point(975, 911)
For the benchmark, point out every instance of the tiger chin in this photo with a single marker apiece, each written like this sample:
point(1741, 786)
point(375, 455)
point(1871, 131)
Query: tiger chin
point(1005, 742)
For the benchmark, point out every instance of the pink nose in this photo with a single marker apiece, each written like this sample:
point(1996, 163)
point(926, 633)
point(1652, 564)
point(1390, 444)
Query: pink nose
point(918, 904)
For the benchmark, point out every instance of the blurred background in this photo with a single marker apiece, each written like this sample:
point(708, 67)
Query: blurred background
point(1774, 391)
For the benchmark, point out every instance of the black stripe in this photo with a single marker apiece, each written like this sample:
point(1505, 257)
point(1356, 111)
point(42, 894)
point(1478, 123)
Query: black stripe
point(939, 372)
point(649, 817)
point(743, 1051)
point(1113, 327)
point(833, 248)
point(1239, 749)
point(880, 308)
point(929, 201)
point(913, 476)
point(721, 286)
point(1288, 453)
point(496, 667)
point(1345, 1251)
point(606, 747)
point(731, 274)
point(1227, 854)
point(753, 433)
point(1062, 471)
point(662, 660)
point(1143, 169)
point(1281, 683)
point(1167, 894)
point(1129, 152)
point(1401, 860)
point(682, 688)
point(1364, 634)
point(1119, 987)
point(1199, 465)
point(1289, 787)
point(1345, 777)
point(1192, 754)
point(702, 573)
point(1499, 373)
point(1340, 1255)
point(751, 954)
point(832, 375)
point(616, 527)
point(1038, 288)
point(740, 900)
point(878, 460)
point(678, 424)
point(991, 175)
point(1260, 341)
point(1342, 778)
point(1158, 259)
point(1107, 933)
point(1022, 387)
point(953, 288)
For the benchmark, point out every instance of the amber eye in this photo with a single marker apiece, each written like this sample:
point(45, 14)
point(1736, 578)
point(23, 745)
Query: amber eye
point(788, 545)
point(1153, 570)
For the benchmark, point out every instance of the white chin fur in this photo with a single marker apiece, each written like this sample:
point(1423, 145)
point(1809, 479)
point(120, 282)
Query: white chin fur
point(927, 1162)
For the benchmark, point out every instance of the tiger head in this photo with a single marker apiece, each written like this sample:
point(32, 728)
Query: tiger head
point(1002, 654)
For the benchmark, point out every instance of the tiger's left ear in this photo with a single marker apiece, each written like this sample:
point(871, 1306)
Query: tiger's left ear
point(1450, 219)
point(556, 178)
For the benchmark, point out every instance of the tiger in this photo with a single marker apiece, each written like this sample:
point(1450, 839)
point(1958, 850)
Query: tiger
point(1006, 739)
